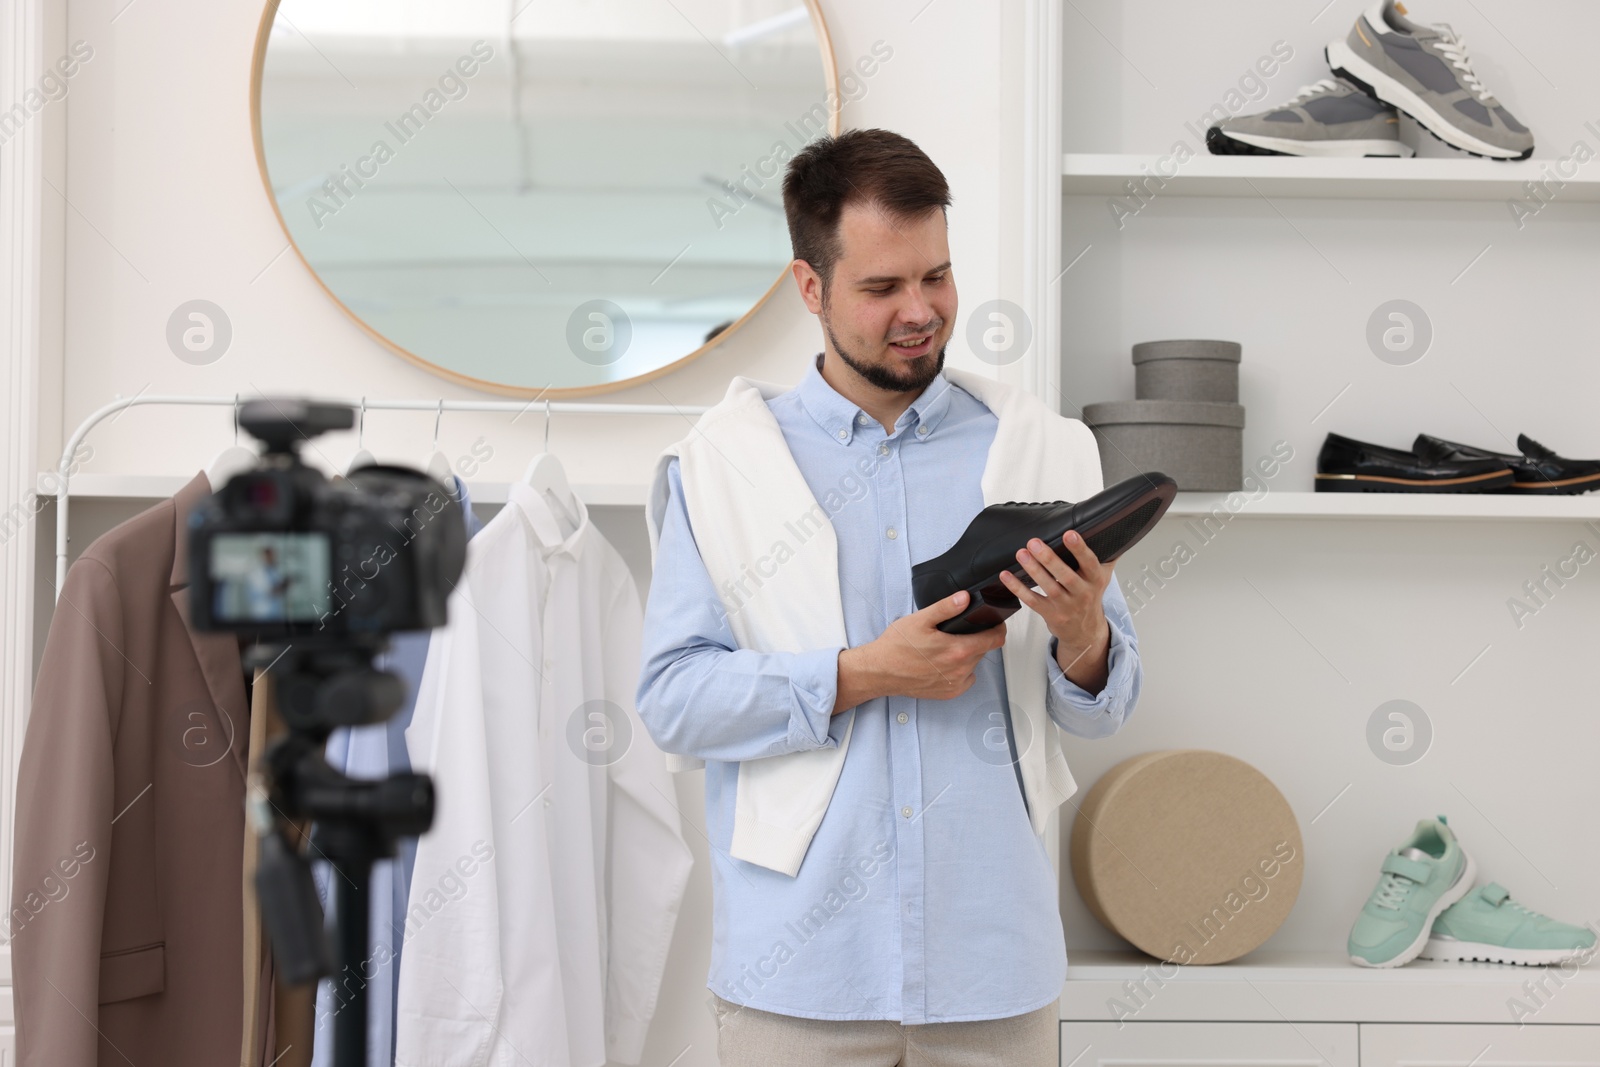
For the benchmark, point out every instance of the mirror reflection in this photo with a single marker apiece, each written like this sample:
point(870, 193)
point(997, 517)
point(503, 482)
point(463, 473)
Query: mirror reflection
point(542, 198)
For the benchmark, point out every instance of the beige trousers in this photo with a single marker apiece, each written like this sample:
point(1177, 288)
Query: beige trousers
point(749, 1037)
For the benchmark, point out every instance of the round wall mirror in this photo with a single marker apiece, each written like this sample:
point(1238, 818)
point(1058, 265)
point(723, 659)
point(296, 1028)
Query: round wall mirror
point(540, 199)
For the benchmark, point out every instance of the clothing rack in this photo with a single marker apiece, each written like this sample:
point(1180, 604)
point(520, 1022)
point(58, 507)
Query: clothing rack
point(63, 491)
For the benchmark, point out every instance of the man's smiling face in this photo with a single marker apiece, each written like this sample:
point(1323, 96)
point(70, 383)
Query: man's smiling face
point(891, 283)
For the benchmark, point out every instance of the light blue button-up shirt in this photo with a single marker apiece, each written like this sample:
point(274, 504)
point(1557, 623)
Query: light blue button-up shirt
point(925, 896)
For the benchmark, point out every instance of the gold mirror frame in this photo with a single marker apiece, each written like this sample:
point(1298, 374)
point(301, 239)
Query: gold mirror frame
point(830, 73)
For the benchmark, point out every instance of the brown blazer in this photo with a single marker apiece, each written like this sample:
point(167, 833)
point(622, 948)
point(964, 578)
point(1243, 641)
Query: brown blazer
point(127, 922)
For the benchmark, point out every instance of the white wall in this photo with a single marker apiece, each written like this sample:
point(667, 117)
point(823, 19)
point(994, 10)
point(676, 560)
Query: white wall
point(166, 205)
point(161, 162)
point(1278, 641)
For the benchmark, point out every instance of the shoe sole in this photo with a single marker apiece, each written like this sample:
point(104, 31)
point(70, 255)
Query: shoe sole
point(1450, 950)
point(1376, 483)
point(990, 603)
point(1369, 79)
point(1458, 889)
point(1224, 143)
point(1560, 487)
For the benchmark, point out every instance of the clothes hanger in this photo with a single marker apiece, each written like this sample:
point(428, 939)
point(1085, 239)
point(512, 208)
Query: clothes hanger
point(438, 464)
point(546, 476)
point(232, 460)
point(362, 458)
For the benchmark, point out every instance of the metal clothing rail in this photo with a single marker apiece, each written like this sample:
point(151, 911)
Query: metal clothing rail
point(63, 491)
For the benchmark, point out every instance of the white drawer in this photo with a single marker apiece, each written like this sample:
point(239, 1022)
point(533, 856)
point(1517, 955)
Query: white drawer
point(1530, 1045)
point(1151, 1044)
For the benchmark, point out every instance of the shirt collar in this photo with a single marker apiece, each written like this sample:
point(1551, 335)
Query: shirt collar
point(839, 417)
point(546, 528)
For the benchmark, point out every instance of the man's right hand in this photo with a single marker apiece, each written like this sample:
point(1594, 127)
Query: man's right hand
point(914, 658)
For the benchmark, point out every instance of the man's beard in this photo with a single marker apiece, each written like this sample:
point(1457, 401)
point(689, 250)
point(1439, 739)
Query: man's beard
point(919, 372)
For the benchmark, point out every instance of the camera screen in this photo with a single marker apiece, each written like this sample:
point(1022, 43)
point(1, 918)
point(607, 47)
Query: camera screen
point(269, 577)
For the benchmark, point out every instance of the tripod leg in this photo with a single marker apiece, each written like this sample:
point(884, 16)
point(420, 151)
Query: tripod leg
point(352, 881)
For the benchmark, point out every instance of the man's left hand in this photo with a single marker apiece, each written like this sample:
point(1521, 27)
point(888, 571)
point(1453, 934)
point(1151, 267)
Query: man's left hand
point(1071, 604)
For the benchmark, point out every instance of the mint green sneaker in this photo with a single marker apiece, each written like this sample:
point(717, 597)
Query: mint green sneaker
point(1488, 925)
point(1420, 878)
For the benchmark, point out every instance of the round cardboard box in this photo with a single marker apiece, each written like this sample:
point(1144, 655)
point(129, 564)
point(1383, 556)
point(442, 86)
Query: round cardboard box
point(1197, 443)
point(1193, 856)
point(1187, 370)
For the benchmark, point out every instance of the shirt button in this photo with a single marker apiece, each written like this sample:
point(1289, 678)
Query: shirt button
point(862, 419)
point(906, 812)
point(922, 431)
point(892, 534)
point(883, 450)
point(903, 717)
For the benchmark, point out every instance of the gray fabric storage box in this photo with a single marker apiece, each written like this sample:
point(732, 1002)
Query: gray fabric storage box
point(1199, 444)
point(1187, 370)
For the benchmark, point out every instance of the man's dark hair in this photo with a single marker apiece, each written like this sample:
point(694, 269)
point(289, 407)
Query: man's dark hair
point(872, 166)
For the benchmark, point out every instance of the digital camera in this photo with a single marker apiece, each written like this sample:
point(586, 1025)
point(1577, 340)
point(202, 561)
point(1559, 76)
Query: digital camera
point(282, 552)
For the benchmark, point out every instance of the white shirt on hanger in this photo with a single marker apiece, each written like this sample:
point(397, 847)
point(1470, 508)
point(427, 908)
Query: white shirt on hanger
point(534, 936)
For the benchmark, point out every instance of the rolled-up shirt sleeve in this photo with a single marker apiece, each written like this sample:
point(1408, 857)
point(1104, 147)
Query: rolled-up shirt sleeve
point(701, 695)
point(1072, 707)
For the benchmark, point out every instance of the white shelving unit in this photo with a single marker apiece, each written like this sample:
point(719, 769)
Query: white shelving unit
point(1267, 986)
point(1107, 174)
point(1275, 1007)
point(1300, 505)
point(1319, 1010)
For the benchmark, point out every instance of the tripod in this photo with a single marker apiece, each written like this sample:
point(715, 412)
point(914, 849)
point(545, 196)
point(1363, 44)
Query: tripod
point(358, 821)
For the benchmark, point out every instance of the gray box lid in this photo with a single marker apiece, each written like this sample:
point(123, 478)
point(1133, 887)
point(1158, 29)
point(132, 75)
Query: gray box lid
point(1189, 412)
point(1229, 351)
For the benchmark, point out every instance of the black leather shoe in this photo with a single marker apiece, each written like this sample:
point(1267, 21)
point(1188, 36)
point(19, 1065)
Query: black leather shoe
point(1109, 522)
point(1345, 465)
point(1538, 470)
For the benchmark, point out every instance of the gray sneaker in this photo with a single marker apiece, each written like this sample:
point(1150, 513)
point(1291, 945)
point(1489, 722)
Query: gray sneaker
point(1425, 72)
point(1327, 118)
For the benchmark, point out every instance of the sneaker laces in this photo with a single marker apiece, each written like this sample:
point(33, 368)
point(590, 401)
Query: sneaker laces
point(1454, 48)
point(1525, 910)
point(1392, 891)
point(1326, 85)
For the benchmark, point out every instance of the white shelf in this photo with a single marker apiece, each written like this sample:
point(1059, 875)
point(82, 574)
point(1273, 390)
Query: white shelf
point(1275, 505)
point(156, 486)
point(1311, 505)
point(1101, 174)
point(1267, 986)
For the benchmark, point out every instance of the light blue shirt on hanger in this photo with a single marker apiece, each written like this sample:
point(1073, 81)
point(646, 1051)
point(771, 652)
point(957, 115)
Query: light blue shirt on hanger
point(377, 751)
point(925, 896)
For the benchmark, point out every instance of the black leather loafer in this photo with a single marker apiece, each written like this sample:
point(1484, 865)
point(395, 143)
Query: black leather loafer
point(1109, 522)
point(1345, 465)
point(1538, 470)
